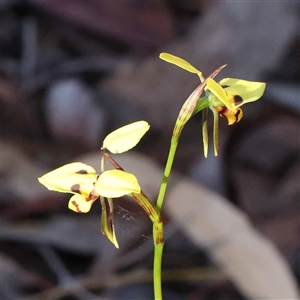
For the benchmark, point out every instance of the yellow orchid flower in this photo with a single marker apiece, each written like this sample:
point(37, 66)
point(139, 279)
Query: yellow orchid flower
point(230, 93)
point(82, 181)
point(224, 98)
point(87, 186)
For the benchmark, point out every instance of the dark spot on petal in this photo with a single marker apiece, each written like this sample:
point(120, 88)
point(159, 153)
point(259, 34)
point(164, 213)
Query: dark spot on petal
point(93, 195)
point(77, 206)
point(224, 86)
point(237, 99)
point(82, 172)
point(237, 115)
point(75, 188)
point(221, 110)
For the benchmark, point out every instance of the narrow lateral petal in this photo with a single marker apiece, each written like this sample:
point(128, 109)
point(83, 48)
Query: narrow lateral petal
point(179, 62)
point(71, 178)
point(205, 131)
point(216, 132)
point(126, 137)
point(79, 204)
point(116, 183)
point(107, 221)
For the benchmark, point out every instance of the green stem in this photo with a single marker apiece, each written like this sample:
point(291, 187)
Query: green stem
point(183, 117)
point(201, 104)
point(158, 232)
point(158, 248)
point(158, 239)
point(158, 251)
point(167, 172)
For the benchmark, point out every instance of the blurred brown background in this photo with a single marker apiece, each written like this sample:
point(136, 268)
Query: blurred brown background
point(72, 71)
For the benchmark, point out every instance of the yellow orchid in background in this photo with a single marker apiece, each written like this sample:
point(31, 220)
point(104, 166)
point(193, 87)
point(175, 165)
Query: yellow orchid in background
point(223, 98)
point(87, 186)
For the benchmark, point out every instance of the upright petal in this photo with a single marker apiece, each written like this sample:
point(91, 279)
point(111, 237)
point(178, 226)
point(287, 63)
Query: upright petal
point(126, 137)
point(243, 91)
point(179, 62)
point(71, 178)
point(116, 183)
point(219, 92)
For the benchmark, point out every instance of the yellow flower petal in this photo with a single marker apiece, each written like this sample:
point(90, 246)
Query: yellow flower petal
point(243, 91)
point(219, 92)
point(125, 137)
point(179, 62)
point(71, 178)
point(116, 183)
point(79, 204)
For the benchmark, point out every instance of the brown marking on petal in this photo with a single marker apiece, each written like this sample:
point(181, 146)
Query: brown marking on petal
point(237, 99)
point(110, 219)
point(76, 205)
point(224, 86)
point(222, 110)
point(237, 115)
point(75, 188)
point(93, 195)
point(82, 172)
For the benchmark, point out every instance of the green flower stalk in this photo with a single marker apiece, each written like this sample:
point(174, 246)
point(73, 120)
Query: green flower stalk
point(186, 112)
point(223, 98)
point(158, 230)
